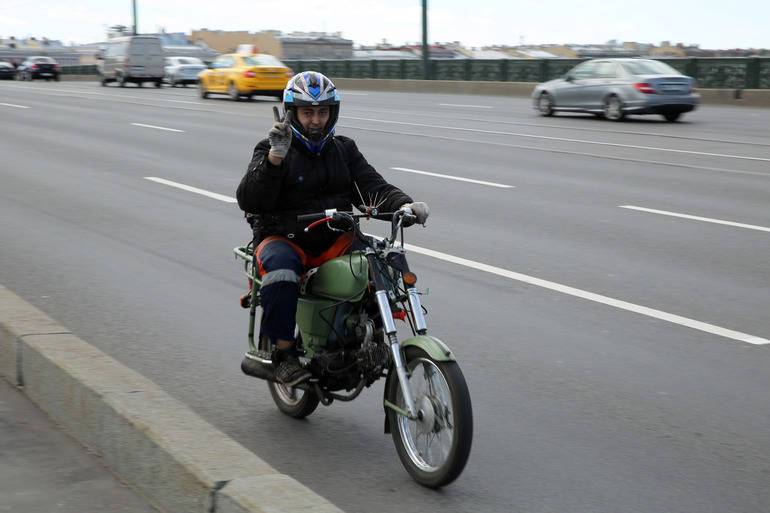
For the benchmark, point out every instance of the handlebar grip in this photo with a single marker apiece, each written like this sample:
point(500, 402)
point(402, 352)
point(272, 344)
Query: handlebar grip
point(310, 217)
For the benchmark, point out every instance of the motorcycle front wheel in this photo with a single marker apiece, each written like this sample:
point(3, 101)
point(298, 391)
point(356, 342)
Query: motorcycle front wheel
point(435, 447)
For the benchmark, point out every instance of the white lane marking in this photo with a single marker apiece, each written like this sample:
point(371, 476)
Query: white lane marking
point(573, 128)
point(465, 106)
point(157, 127)
point(185, 101)
point(598, 298)
point(69, 92)
point(14, 105)
point(564, 139)
point(696, 218)
point(214, 195)
point(694, 167)
point(450, 177)
point(556, 287)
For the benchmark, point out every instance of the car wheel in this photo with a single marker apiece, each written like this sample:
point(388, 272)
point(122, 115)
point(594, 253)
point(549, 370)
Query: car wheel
point(613, 108)
point(233, 92)
point(57, 78)
point(545, 104)
point(672, 116)
point(184, 84)
point(121, 80)
point(103, 81)
point(158, 84)
point(203, 92)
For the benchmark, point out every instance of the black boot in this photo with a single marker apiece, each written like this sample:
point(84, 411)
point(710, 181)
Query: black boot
point(288, 371)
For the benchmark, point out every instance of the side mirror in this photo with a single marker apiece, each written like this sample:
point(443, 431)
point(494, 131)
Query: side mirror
point(210, 65)
point(568, 77)
point(99, 56)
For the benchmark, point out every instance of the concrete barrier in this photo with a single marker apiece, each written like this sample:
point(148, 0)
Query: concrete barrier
point(178, 461)
point(744, 97)
point(741, 97)
point(80, 78)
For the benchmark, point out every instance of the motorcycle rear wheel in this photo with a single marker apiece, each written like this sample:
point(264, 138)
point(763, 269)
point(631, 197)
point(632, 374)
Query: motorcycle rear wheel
point(293, 402)
point(434, 449)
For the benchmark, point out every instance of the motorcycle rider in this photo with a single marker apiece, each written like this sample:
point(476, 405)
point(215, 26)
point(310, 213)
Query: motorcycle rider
point(304, 168)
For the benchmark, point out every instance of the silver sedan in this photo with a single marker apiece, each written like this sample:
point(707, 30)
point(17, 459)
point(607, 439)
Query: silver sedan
point(614, 88)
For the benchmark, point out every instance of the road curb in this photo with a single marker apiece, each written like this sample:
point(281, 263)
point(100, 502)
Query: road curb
point(177, 460)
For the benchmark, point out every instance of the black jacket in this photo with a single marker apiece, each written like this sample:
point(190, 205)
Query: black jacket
point(305, 183)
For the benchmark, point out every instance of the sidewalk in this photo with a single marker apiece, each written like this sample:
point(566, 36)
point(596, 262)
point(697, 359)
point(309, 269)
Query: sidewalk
point(44, 470)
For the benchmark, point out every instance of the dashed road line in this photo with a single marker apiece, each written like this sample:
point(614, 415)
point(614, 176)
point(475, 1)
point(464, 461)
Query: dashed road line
point(157, 127)
point(550, 285)
point(563, 139)
point(451, 177)
point(696, 218)
point(188, 188)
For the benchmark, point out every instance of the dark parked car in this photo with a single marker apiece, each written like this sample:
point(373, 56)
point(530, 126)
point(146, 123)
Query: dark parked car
point(39, 67)
point(614, 88)
point(7, 71)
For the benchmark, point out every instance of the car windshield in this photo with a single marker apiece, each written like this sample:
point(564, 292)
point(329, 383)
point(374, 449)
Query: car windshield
point(649, 68)
point(263, 60)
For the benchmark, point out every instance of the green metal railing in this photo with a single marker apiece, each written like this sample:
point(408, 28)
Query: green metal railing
point(729, 73)
point(717, 73)
point(79, 70)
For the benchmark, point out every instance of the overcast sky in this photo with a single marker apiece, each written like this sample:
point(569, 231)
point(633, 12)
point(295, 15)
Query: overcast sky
point(710, 23)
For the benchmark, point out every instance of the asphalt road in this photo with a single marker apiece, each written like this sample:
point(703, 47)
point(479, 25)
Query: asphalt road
point(632, 377)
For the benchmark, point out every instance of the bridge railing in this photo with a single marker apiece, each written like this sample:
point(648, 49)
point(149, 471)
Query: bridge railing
point(711, 73)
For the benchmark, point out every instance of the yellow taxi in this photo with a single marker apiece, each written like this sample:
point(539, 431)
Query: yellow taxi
point(243, 76)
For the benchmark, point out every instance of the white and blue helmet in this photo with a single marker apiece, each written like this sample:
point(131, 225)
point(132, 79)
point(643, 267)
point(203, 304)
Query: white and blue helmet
point(310, 89)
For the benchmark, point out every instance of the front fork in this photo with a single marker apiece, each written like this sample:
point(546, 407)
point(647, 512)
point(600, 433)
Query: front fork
point(389, 325)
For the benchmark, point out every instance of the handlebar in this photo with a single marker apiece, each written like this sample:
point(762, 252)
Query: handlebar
point(310, 217)
point(400, 218)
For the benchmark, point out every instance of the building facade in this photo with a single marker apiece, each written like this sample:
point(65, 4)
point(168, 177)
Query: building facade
point(227, 41)
point(315, 45)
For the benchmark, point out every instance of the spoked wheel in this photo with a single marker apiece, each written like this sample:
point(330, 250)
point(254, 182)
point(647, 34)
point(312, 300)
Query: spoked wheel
point(613, 109)
point(293, 402)
point(545, 105)
point(434, 448)
point(232, 91)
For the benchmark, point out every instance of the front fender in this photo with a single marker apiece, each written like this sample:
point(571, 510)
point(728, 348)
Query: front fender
point(435, 348)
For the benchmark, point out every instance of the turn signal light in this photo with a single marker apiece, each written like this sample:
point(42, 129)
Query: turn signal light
point(410, 278)
point(644, 87)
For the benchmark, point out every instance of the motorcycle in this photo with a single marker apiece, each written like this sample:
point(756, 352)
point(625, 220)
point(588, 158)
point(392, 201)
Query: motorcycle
point(347, 335)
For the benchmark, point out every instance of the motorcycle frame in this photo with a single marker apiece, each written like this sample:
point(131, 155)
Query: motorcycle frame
point(374, 253)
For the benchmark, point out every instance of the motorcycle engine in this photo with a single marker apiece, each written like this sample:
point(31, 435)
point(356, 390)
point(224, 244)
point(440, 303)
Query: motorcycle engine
point(362, 357)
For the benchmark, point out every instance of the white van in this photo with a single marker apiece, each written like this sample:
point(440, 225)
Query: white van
point(136, 59)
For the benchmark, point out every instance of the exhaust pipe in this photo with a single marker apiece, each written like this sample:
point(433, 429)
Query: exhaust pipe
point(258, 367)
